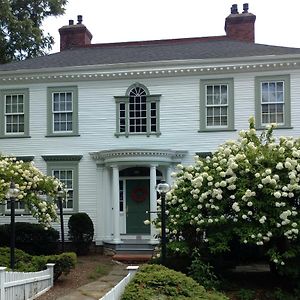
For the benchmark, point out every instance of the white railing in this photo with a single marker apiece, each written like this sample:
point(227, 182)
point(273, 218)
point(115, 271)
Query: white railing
point(24, 286)
point(116, 292)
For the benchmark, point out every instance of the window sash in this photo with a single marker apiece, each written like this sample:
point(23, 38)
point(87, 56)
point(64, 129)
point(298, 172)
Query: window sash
point(272, 102)
point(14, 113)
point(216, 102)
point(66, 176)
point(62, 111)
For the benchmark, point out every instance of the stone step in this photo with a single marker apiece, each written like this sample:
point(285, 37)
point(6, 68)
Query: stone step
point(130, 258)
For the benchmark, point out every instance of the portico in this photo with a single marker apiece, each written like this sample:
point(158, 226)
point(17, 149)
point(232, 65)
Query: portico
point(126, 181)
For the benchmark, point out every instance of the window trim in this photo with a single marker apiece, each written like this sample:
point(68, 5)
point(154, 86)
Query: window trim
point(3, 94)
point(149, 99)
point(75, 125)
point(69, 162)
point(222, 81)
point(286, 95)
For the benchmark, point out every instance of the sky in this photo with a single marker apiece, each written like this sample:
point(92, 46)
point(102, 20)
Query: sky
point(277, 22)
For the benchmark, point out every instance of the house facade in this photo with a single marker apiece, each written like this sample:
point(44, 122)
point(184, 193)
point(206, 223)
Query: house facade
point(112, 120)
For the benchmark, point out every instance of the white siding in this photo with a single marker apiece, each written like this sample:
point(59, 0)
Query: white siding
point(179, 124)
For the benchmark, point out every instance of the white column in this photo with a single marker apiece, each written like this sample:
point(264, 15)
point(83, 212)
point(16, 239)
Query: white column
point(153, 203)
point(116, 204)
point(100, 206)
point(168, 175)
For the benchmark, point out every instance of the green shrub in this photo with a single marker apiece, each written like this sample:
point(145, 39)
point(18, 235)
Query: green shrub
point(246, 294)
point(63, 263)
point(31, 238)
point(81, 232)
point(203, 273)
point(27, 263)
point(158, 282)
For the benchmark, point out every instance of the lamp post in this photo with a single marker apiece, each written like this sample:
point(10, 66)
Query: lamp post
point(60, 196)
point(162, 188)
point(12, 195)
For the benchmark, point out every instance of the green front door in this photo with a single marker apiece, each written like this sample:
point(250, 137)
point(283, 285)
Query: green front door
point(137, 203)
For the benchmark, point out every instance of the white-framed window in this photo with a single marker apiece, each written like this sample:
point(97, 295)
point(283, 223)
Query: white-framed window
point(14, 113)
point(66, 176)
point(62, 110)
point(137, 112)
point(216, 97)
point(272, 100)
point(216, 104)
point(66, 169)
point(19, 206)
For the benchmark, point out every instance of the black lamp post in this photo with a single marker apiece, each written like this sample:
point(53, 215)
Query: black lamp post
point(162, 188)
point(12, 195)
point(60, 197)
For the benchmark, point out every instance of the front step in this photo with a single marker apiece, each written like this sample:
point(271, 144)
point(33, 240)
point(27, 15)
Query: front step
point(127, 247)
point(129, 258)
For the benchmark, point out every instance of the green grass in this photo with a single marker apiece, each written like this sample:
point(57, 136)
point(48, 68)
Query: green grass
point(100, 270)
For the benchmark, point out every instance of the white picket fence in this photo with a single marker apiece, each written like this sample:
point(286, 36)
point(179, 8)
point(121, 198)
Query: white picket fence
point(116, 292)
point(25, 286)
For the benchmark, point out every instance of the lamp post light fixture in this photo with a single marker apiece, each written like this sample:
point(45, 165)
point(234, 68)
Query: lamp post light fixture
point(60, 197)
point(12, 195)
point(162, 188)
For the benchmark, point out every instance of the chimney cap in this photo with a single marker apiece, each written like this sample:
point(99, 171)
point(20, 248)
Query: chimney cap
point(245, 8)
point(234, 9)
point(79, 19)
point(71, 22)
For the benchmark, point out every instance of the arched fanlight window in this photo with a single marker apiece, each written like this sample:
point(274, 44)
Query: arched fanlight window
point(137, 112)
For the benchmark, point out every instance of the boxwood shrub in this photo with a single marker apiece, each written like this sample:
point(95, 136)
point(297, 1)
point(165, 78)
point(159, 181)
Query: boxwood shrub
point(28, 263)
point(158, 282)
point(31, 238)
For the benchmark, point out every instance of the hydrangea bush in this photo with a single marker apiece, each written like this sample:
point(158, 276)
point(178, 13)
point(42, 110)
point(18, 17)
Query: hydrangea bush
point(248, 189)
point(36, 190)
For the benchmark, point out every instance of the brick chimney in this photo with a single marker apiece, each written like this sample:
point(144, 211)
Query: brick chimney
point(240, 26)
point(74, 36)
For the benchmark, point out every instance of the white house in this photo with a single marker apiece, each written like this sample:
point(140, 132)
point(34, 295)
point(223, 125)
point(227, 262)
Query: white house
point(111, 120)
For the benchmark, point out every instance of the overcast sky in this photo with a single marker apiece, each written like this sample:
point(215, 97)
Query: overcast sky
point(277, 22)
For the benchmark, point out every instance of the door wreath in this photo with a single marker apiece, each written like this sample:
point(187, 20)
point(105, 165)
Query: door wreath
point(139, 194)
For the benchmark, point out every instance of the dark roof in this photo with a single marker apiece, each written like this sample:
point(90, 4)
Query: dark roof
point(150, 51)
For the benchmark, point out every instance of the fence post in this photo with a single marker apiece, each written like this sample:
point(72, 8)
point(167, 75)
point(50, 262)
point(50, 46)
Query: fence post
point(50, 267)
point(132, 270)
point(2, 278)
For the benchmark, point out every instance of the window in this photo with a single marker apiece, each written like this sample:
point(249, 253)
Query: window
point(14, 113)
point(62, 111)
point(137, 112)
point(65, 168)
point(216, 105)
point(273, 101)
point(122, 194)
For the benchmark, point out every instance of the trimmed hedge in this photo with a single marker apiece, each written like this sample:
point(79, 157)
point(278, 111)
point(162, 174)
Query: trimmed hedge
point(31, 238)
point(158, 282)
point(28, 263)
point(81, 232)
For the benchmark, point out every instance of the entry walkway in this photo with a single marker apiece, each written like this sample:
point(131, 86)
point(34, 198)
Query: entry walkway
point(97, 289)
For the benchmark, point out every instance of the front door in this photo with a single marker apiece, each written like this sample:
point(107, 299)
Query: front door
point(137, 203)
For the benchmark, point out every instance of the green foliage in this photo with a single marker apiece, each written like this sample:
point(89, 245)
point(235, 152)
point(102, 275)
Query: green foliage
point(246, 294)
point(31, 238)
point(246, 194)
point(21, 35)
point(27, 263)
point(81, 232)
point(203, 273)
point(63, 262)
point(158, 282)
point(32, 185)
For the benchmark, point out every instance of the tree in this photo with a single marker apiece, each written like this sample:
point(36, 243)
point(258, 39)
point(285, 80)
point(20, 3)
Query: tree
point(248, 191)
point(21, 35)
point(34, 188)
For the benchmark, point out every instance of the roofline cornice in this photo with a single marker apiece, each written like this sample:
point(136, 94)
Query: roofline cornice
point(153, 69)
